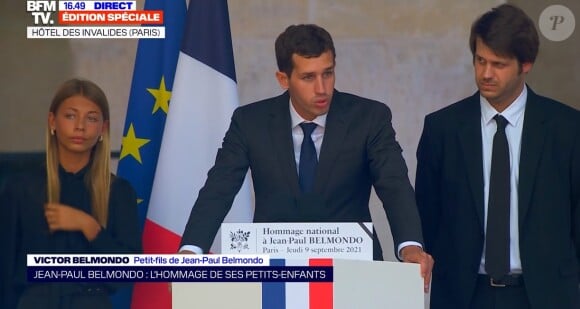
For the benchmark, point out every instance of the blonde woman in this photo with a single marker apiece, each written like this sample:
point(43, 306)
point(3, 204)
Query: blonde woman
point(73, 204)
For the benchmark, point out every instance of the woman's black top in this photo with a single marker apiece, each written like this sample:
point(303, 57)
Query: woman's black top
point(24, 230)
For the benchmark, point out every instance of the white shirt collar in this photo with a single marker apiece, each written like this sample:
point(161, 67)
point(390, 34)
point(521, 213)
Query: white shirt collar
point(512, 114)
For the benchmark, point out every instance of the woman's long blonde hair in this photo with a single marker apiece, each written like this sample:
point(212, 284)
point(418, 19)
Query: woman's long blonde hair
point(98, 178)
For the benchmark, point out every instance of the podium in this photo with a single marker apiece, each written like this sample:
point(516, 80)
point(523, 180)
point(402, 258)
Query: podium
point(357, 284)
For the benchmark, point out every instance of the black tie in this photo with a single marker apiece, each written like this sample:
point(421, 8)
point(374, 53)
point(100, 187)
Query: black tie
point(497, 261)
point(308, 159)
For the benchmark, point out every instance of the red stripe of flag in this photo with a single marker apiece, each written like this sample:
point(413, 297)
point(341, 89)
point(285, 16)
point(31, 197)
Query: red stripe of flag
point(321, 295)
point(157, 240)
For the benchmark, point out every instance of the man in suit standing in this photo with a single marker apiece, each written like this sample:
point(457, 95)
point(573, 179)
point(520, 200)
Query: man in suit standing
point(498, 182)
point(348, 140)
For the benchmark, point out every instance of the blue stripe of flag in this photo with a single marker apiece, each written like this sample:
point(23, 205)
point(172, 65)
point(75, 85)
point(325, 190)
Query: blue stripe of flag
point(206, 18)
point(274, 293)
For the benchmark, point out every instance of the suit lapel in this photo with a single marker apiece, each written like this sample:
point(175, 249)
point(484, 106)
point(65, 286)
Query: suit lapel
point(533, 134)
point(334, 132)
point(281, 137)
point(471, 144)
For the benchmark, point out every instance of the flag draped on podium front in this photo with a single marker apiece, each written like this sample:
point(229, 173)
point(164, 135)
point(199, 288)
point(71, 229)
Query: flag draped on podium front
point(203, 97)
point(288, 295)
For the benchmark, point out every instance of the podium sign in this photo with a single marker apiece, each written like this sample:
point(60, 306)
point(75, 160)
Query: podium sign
point(340, 240)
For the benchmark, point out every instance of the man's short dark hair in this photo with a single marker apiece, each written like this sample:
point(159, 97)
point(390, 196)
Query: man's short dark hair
point(508, 31)
point(306, 40)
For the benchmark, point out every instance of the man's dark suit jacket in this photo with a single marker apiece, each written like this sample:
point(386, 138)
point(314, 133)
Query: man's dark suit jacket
point(359, 150)
point(450, 197)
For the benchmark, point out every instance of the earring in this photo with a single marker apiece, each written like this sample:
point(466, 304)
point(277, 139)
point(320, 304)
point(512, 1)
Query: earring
point(100, 138)
point(52, 131)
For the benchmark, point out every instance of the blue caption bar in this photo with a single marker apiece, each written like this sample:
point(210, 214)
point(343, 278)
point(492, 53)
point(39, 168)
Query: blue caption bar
point(180, 274)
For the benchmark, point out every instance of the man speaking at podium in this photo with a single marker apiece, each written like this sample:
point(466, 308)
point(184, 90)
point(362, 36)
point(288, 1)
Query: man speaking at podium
point(314, 153)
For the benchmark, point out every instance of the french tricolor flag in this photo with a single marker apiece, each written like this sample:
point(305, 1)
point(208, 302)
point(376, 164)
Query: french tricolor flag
point(203, 99)
point(288, 295)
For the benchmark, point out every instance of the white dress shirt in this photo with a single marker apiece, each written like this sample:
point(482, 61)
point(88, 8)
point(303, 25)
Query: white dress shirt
point(298, 135)
point(514, 114)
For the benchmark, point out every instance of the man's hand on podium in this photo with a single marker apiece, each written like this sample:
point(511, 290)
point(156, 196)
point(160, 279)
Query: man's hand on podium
point(186, 252)
point(415, 254)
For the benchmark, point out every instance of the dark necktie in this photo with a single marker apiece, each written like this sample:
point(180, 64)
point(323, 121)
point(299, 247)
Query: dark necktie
point(308, 159)
point(497, 261)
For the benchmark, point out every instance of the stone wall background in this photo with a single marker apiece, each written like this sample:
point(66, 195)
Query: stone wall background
point(412, 55)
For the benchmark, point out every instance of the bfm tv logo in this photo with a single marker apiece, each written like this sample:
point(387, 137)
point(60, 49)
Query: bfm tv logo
point(41, 11)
